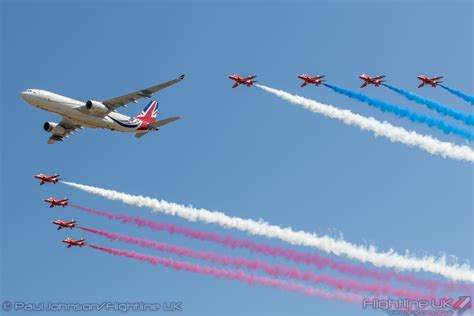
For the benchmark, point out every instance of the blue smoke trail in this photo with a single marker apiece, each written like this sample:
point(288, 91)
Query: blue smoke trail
point(441, 109)
point(404, 112)
point(468, 98)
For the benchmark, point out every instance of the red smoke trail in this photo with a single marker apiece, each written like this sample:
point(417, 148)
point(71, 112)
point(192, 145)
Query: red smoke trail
point(296, 256)
point(274, 270)
point(238, 275)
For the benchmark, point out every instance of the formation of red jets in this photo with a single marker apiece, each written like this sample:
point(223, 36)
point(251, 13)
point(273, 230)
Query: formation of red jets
point(60, 202)
point(239, 80)
point(318, 79)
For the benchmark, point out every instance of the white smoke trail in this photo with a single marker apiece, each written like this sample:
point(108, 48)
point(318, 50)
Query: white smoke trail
point(394, 133)
point(326, 243)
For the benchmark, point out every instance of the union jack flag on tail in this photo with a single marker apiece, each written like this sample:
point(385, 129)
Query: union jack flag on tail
point(149, 122)
point(150, 112)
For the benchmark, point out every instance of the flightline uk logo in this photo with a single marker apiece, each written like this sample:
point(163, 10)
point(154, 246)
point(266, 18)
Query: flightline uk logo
point(404, 306)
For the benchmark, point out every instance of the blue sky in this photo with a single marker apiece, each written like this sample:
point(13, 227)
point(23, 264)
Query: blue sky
point(241, 151)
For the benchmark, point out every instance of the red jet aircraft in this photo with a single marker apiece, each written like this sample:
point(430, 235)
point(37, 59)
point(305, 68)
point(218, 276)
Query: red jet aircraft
point(427, 80)
point(57, 202)
point(72, 242)
point(316, 80)
point(248, 81)
point(376, 81)
point(63, 224)
point(45, 178)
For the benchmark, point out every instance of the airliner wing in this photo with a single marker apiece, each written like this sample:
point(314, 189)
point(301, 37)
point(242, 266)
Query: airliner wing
point(117, 102)
point(69, 126)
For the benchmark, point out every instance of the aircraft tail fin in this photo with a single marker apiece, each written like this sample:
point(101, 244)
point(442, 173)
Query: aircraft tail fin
point(149, 113)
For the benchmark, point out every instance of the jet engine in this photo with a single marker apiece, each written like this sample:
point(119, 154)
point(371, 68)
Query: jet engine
point(54, 128)
point(96, 107)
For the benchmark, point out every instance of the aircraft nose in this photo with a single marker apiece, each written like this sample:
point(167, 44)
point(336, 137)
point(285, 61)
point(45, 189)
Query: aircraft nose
point(26, 95)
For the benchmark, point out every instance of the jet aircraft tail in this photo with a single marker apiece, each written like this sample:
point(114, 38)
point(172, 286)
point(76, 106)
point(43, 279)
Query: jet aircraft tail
point(149, 113)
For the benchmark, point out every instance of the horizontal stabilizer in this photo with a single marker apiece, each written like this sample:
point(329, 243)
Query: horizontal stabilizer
point(164, 122)
point(138, 135)
point(157, 124)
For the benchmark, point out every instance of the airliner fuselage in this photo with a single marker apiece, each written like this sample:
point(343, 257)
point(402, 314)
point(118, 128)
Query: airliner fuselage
point(77, 112)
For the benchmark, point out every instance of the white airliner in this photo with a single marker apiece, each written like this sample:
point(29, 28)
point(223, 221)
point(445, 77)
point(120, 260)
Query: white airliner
point(76, 114)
